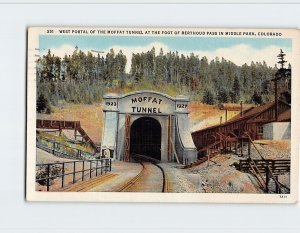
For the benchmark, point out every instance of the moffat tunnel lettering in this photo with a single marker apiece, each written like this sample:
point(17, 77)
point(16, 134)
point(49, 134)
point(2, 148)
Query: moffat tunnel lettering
point(145, 99)
point(145, 110)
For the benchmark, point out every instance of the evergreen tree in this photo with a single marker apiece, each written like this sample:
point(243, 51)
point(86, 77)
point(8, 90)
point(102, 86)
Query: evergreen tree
point(83, 77)
point(256, 98)
point(42, 104)
point(208, 97)
point(223, 96)
point(235, 92)
point(281, 56)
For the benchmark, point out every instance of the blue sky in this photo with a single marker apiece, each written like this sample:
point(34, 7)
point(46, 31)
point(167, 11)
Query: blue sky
point(238, 50)
point(174, 43)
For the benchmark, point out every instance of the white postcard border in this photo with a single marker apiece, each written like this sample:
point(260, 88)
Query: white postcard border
point(32, 195)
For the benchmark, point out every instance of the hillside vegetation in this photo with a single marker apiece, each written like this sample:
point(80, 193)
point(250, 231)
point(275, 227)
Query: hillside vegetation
point(85, 78)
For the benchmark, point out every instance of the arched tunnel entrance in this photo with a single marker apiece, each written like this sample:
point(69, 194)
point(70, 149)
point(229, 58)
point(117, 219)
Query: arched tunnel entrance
point(145, 137)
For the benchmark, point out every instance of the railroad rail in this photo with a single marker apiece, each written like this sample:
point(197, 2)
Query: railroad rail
point(87, 185)
point(144, 161)
point(60, 125)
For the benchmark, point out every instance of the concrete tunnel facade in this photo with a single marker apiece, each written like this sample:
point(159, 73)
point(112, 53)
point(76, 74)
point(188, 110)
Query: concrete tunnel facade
point(149, 123)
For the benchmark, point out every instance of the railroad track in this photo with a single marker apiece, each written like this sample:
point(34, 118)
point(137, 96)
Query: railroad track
point(136, 184)
point(139, 182)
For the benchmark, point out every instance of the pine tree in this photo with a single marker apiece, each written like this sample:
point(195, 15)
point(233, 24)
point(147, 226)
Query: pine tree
point(235, 92)
point(40, 103)
point(83, 71)
point(223, 95)
point(281, 56)
point(208, 97)
point(256, 98)
point(43, 105)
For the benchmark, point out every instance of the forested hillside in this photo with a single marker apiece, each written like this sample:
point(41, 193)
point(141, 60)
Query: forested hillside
point(85, 77)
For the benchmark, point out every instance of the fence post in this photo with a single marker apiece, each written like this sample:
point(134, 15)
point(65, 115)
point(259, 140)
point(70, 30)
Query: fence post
point(101, 163)
point(242, 146)
point(235, 145)
point(267, 180)
point(96, 167)
point(82, 169)
point(63, 175)
point(53, 147)
point(110, 165)
point(74, 169)
point(48, 175)
point(276, 184)
point(90, 169)
point(249, 147)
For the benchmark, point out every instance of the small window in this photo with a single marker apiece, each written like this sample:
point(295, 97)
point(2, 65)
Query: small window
point(260, 129)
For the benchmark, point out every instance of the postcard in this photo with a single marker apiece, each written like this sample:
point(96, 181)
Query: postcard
point(162, 115)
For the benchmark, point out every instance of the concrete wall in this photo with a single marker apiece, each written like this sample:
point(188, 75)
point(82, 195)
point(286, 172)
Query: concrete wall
point(277, 130)
point(184, 144)
point(110, 132)
point(120, 137)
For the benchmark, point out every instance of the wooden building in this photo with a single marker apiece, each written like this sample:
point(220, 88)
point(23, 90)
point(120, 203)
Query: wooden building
point(248, 125)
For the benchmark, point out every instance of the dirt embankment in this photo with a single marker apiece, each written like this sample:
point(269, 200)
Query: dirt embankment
point(203, 115)
point(220, 176)
point(273, 149)
point(90, 117)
